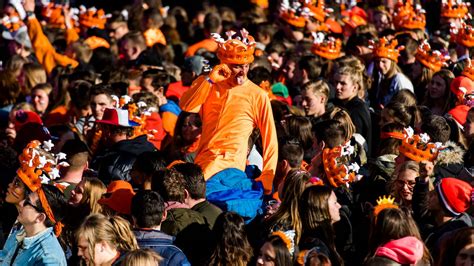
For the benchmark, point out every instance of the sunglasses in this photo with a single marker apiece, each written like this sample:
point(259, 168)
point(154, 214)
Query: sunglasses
point(27, 202)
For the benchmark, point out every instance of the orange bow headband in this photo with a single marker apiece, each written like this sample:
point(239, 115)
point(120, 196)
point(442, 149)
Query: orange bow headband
point(463, 35)
point(433, 60)
point(454, 9)
point(407, 17)
point(418, 147)
point(39, 166)
point(384, 203)
point(385, 49)
point(235, 51)
point(329, 48)
point(337, 172)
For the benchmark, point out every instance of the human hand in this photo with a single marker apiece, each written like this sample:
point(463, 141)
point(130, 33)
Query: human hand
point(67, 17)
point(29, 5)
point(220, 73)
point(426, 170)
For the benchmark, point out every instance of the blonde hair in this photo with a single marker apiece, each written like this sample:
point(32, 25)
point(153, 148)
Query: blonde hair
point(93, 191)
point(408, 165)
point(34, 74)
point(141, 257)
point(114, 230)
point(319, 87)
point(341, 115)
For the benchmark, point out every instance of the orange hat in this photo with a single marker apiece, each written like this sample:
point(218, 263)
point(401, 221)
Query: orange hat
point(317, 11)
point(417, 147)
point(462, 86)
point(120, 199)
point(294, 14)
point(329, 48)
point(463, 35)
point(469, 70)
point(261, 3)
point(384, 203)
point(338, 173)
point(454, 9)
point(459, 114)
point(235, 51)
point(92, 18)
point(354, 17)
point(53, 14)
point(384, 49)
point(154, 36)
point(95, 42)
point(433, 60)
point(407, 17)
point(333, 26)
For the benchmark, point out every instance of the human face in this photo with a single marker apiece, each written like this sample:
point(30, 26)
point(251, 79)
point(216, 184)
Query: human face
point(117, 30)
point(465, 256)
point(469, 126)
point(40, 100)
point(77, 194)
point(190, 130)
point(267, 255)
point(98, 105)
point(28, 213)
point(381, 22)
point(384, 65)
point(129, 50)
point(313, 103)
point(239, 73)
point(334, 207)
point(345, 87)
point(15, 192)
point(405, 183)
point(437, 87)
point(83, 250)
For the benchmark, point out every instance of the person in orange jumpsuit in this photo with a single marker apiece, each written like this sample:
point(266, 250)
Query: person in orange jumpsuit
point(231, 106)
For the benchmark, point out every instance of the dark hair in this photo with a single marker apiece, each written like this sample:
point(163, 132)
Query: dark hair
point(102, 59)
point(232, 245)
point(282, 254)
point(161, 80)
point(10, 88)
point(259, 74)
point(390, 145)
point(195, 183)
point(212, 22)
point(170, 184)
point(147, 208)
point(150, 162)
point(291, 151)
point(331, 132)
point(79, 91)
point(102, 89)
point(57, 202)
point(300, 127)
point(178, 140)
point(77, 153)
point(437, 128)
point(401, 113)
point(118, 130)
point(312, 65)
point(452, 245)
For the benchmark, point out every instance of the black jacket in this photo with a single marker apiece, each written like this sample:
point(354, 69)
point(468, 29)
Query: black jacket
point(116, 162)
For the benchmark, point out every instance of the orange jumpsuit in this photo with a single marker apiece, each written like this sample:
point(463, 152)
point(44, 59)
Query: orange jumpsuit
point(229, 114)
point(44, 51)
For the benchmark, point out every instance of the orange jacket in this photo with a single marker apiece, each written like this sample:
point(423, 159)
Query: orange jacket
point(229, 114)
point(43, 49)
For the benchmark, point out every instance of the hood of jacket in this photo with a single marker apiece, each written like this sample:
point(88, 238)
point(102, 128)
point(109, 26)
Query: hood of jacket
point(135, 146)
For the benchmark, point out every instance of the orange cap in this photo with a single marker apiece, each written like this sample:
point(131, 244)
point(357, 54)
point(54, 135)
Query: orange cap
point(384, 49)
point(329, 48)
point(120, 199)
point(454, 9)
point(433, 60)
point(235, 51)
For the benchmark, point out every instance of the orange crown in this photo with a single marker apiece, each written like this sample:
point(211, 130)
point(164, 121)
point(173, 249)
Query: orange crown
point(463, 35)
point(384, 49)
point(329, 48)
point(336, 171)
point(318, 11)
point(469, 70)
point(235, 51)
point(294, 14)
point(454, 9)
point(417, 147)
point(53, 14)
point(384, 203)
point(433, 60)
point(92, 18)
point(410, 18)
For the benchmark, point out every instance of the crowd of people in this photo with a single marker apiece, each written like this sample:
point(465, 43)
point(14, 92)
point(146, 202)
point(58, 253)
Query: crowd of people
point(260, 132)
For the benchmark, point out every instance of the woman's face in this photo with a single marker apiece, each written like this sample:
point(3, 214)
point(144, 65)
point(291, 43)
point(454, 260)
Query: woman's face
point(334, 207)
point(381, 22)
point(16, 191)
point(312, 103)
point(465, 256)
point(190, 130)
point(384, 65)
point(40, 100)
point(437, 87)
point(405, 183)
point(345, 87)
point(267, 255)
point(77, 194)
point(469, 126)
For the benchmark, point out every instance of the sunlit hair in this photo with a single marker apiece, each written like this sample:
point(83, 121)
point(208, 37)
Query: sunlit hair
point(115, 231)
point(408, 165)
point(341, 115)
point(319, 87)
point(142, 257)
point(93, 191)
point(33, 74)
point(354, 73)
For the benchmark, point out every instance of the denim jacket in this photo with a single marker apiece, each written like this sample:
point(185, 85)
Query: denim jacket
point(41, 249)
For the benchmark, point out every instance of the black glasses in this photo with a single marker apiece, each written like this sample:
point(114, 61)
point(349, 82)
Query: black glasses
point(27, 202)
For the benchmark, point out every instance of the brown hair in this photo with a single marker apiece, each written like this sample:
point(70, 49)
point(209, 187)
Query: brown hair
point(141, 257)
point(451, 246)
point(33, 74)
point(93, 191)
point(341, 115)
point(10, 88)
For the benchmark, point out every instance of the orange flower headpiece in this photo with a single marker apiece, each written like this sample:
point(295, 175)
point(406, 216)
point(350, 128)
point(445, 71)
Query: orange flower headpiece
point(154, 36)
point(13, 23)
point(235, 51)
point(407, 17)
point(329, 48)
point(337, 172)
point(454, 9)
point(295, 13)
point(433, 60)
point(288, 238)
point(469, 70)
point(418, 147)
point(384, 203)
point(463, 35)
point(92, 18)
point(39, 166)
point(385, 49)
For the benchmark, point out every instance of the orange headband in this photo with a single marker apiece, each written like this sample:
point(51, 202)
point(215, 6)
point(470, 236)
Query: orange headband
point(392, 135)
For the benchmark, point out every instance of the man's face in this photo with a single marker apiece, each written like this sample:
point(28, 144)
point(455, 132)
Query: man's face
point(129, 50)
point(98, 105)
point(117, 30)
point(239, 73)
point(28, 211)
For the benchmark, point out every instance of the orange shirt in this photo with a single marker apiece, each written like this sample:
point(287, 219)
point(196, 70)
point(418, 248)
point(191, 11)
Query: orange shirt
point(208, 44)
point(229, 114)
point(43, 49)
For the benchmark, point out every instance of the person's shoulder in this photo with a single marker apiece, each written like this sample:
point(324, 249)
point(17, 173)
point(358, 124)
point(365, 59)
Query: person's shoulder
point(51, 252)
